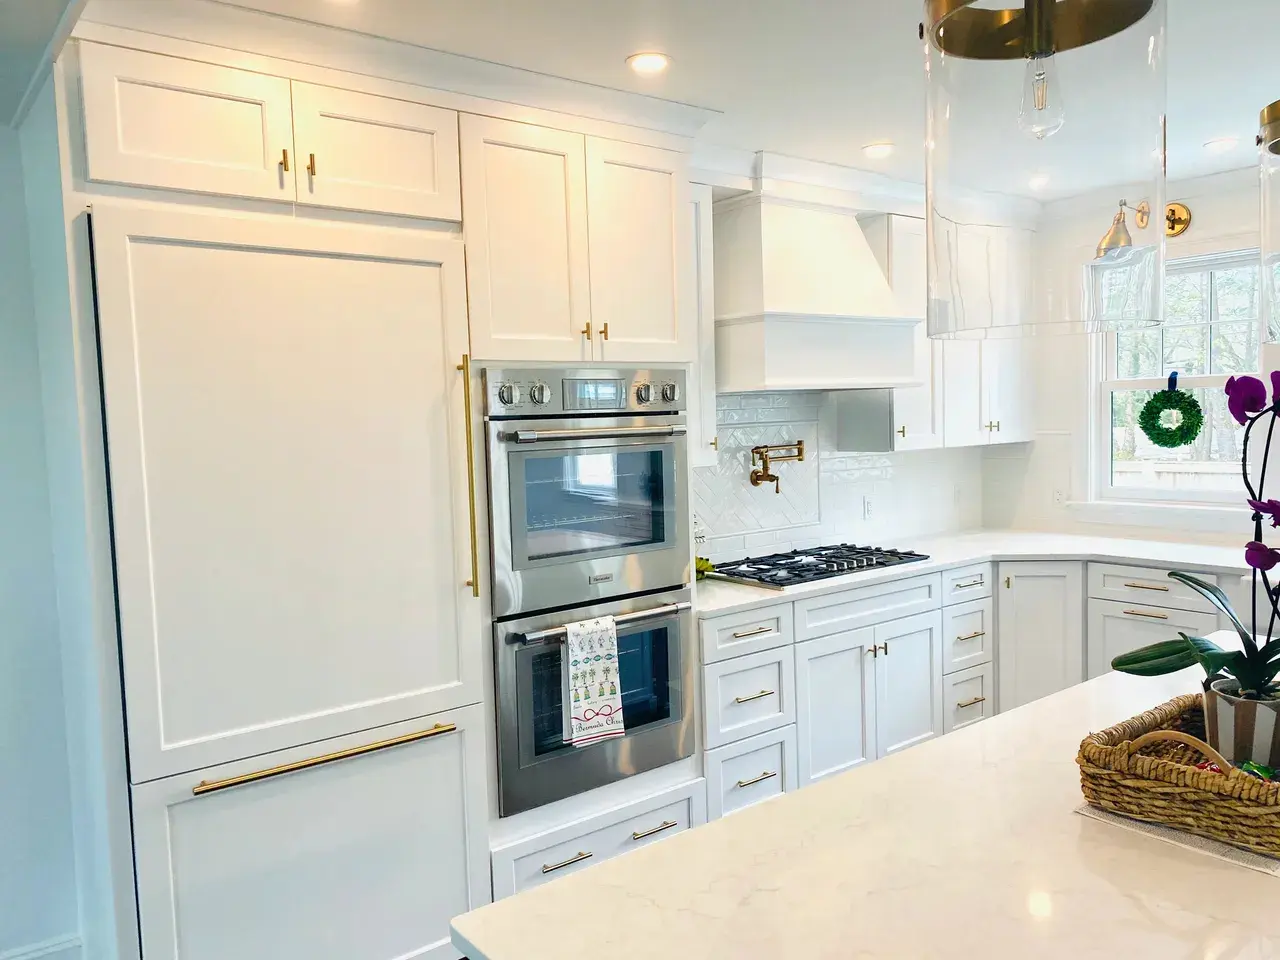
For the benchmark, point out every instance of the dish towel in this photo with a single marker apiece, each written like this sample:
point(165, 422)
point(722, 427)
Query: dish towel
point(591, 682)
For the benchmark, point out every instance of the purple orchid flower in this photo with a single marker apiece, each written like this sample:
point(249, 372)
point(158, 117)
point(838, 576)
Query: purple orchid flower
point(1260, 556)
point(1275, 386)
point(1268, 508)
point(1246, 395)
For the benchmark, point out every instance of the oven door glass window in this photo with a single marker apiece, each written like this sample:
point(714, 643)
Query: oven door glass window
point(590, 502)
point(645, 665)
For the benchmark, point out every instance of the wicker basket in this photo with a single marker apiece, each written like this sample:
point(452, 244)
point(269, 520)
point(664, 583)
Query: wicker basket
point(1145, 768)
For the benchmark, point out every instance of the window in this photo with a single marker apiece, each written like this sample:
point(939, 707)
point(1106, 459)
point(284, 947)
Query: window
point(1211, 331)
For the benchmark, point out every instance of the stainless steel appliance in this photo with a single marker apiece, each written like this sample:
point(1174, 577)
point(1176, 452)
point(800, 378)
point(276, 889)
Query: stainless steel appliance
point(781, 570)
point(657, 660)
point(588, 484)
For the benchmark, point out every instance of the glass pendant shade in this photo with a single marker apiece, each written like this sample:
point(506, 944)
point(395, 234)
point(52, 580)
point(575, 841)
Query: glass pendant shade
point(1044, 149)
point(1269, 152)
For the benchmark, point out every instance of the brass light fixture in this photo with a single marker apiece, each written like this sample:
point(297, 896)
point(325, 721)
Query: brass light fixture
point(1269, 164)
point(1177, 218)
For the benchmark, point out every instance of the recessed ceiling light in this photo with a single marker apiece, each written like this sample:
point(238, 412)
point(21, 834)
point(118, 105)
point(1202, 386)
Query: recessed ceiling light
point(647, 64)
point(1221, 144)
point(1039, 181)
point(877, 151)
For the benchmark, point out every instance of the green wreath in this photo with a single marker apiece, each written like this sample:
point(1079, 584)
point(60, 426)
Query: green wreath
point(1190, 417)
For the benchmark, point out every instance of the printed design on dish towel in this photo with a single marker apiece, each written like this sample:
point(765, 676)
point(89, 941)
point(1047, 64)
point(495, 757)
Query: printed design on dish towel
point(591, 647)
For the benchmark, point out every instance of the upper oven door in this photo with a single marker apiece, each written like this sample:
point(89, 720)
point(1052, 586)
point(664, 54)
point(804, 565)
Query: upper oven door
point(588, 511)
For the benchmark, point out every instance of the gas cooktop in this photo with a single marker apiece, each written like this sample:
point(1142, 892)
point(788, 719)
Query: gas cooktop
point(782, 570)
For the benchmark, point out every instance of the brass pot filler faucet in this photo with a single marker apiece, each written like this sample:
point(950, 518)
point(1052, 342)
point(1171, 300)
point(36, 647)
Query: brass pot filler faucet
point(763, 455)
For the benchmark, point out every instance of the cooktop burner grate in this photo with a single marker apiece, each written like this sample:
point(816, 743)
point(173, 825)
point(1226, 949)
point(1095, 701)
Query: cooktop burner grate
point(781, 570)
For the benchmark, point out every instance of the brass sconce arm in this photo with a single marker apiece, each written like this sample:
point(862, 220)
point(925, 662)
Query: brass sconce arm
point(765, 454)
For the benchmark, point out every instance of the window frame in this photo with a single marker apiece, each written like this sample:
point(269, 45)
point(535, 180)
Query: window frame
point(1103, 363)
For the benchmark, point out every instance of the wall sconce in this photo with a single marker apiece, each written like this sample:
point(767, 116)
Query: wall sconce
point(1177, 218)
point(762, 456)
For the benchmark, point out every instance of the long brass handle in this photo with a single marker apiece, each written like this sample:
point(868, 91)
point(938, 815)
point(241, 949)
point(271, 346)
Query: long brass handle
point(768, 774)
point(970, 703)
point(474, 582)
point(311, 165)
point(969, 583)
point(549, 867)
point(284, 160)
point(665, 825)
point(1140, 613)
point(212, 786)
point(1148, 586)
point(754, 696)
point(752, 633)
point(972, 636)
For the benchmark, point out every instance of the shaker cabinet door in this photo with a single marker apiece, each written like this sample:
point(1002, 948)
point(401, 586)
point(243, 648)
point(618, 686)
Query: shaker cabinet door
point(288, 479)
point(908, 682)
point(366, 857)
point(835, 703)
point(1040, 623)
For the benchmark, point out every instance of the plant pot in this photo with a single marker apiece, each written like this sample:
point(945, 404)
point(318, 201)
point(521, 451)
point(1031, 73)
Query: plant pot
point(1242, 729)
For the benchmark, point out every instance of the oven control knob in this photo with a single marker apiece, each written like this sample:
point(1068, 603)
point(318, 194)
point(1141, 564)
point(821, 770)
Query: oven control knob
point(644, 393)
point(670, 393)
point(540, 393)
point(508, 395)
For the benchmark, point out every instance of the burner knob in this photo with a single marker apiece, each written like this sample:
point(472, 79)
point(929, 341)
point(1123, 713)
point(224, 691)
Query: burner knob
point(670, 393)
point(644, 393)
point(539, 393)
point(508, 395)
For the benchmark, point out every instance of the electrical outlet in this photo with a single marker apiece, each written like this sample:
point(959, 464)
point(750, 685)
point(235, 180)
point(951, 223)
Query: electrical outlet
point(868, 508)
point(1060, 497)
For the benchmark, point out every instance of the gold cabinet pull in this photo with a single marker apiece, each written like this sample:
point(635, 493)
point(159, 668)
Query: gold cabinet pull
point(902, 432)
point(586, 331)
point(284, 160)
point(665, 825)
point(754, 696)
point(997, 426)
point(1148, 586)
point(969, 583)
point(474, 582)
point(767, 775)
point(885, 647)
point(1142, 613)
point(549, 867)
point(604, 330)
point(715, 443)
point(874, 650)
point(752, 633)
point(1008, 582)
point(972, 636)
point(311, 165)
point(970, 703)
point(212, 786)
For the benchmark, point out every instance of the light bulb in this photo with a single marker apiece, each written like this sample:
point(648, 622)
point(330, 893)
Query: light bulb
point(1041, 114)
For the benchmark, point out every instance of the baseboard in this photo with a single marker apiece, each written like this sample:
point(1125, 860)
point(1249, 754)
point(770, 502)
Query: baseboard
point(59, 948)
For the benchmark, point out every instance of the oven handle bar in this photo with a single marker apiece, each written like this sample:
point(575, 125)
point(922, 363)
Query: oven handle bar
point(557, 634)
point(591, 433)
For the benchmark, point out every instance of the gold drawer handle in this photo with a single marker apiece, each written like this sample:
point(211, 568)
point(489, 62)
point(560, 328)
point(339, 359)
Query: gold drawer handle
point(971, 703)
point(969, 583)
point(549, 867)
point(1140, 613)
point(284, 160)
point(311, 166)
point(972, 636)
point(768, 774)
point(210, 786)
point(1147, 586)
point(754, 696)
point(752, 633)
point(665, 825)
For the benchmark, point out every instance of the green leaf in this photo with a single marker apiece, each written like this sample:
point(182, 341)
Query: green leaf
point(1157, 659)
point(1219, 599)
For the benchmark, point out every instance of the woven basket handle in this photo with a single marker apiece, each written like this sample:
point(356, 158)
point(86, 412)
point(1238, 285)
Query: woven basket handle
point(1223, 763)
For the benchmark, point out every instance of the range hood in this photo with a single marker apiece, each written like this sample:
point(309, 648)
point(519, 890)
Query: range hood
point(802, 302)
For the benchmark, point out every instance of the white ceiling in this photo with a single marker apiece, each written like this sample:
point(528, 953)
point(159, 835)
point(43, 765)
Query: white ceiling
point(816, 79)
point(26, 28)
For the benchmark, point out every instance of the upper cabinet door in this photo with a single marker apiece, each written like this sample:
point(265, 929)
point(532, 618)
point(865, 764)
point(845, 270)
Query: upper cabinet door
point(964, 394)
point(703, 445)
point(288, 480)
point(917, 411)
point(360, 152)
point(642, 273)
point(1008, 397)
point(158, 121)
point(524, 199)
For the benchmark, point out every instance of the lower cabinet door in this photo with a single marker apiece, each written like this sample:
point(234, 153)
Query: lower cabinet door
point(361, 847)
point(835, 703)
point(908, 682)
point(1116, 627)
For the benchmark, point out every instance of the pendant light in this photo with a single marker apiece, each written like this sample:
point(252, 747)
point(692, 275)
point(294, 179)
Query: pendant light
point(1035, 113)
point(1269, 162)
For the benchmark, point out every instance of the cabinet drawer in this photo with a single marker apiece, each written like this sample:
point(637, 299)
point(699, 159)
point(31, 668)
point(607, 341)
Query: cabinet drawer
point(968, 635)
point(748, 632)
point(749, 695)
point(1146, 586)
point(966, 583)
point(838, 612)
point(583, 843)
point(968, 696)
point(750, 771)
point(1116, 628)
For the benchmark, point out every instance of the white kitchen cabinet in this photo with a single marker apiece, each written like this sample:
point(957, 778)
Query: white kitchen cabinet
point(964, 393)
point(370, 855)
point(704, 447)
point(836, 703)
point(968, 635)
point(1006, 390)
point(1117, 627)
point(163, 122)
point(865, 606)
point(524, 201)
point(747, 631)
point(750, 771)
point(968, 696)
point(642, 277)
point(361, 152)
point(1145, 586)
point(918, 411)
point(908, 682)
point(288, 480)
point(1040, 615)
point(748, 695)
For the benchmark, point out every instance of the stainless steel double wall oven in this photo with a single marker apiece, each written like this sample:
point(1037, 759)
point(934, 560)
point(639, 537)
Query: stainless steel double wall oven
point(588, 488)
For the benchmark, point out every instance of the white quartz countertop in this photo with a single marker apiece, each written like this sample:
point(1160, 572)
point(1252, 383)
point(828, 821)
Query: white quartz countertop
point(966, 846)
point(715, 598)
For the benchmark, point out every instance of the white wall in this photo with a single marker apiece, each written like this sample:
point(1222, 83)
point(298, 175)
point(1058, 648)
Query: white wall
point(37, 867)
point(1020, 481)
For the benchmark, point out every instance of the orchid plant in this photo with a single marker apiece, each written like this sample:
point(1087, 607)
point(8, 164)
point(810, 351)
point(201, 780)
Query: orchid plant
point(1256, 667)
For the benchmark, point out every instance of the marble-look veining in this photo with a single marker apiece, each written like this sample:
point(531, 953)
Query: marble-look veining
point(966, 846)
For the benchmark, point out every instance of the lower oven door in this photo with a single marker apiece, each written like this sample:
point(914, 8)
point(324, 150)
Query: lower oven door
point(656, 664)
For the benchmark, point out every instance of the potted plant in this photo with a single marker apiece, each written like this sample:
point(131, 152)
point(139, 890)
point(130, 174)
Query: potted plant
point(1241, 695)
